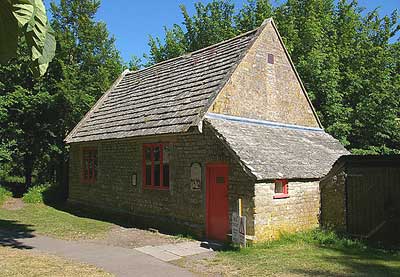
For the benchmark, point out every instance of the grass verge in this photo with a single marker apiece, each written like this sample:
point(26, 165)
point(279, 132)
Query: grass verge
point(14, 262)
point(314, 253)
point(49, 221)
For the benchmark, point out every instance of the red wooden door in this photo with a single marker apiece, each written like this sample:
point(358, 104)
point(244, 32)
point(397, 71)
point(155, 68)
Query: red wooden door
point(217, 201)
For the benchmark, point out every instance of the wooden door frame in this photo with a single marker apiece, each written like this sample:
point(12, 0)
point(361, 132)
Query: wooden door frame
point(208, 166)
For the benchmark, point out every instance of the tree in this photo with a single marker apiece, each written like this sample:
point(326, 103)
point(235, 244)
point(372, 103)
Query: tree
point(85, 65)
point(37, 113)
point(211, 24)
point(27, 17)
point(252, 15)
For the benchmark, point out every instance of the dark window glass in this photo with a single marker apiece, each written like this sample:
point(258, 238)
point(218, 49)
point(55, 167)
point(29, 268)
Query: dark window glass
point(278, 187)
point(148, 155)
point(148, 175)
point(157, 175)
point(220, 180)
point(157, 153)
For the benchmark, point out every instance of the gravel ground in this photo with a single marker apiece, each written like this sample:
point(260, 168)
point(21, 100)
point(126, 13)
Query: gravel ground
point(133, 238)
point(13, 204)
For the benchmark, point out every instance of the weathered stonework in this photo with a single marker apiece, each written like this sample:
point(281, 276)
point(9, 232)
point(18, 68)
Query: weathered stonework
point(180, 208)
point(260, 90)
point(296, 213)
point(333, 197)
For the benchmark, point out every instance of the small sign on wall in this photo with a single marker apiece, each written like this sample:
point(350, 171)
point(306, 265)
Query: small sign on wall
point(195, 176)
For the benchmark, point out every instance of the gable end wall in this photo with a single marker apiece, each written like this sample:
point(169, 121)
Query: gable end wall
point(266, 91)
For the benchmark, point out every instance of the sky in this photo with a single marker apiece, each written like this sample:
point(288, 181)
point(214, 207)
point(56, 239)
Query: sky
point(131, 22)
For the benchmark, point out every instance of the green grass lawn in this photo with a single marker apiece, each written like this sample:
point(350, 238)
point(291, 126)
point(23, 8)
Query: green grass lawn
point(49, 221)
point(313, 253)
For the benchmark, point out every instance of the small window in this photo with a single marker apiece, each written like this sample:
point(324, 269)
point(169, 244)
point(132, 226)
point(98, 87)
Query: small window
point(156, 166)
point(281, 188)
point(271, 59)
point(89, 165)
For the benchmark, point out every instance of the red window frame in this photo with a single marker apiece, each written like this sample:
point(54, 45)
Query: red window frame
point(285, 188)
point(162, 185)
point(89, 165)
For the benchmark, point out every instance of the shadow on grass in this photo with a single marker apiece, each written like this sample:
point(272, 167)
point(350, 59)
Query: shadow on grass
point(11, 231)
point(167, 226)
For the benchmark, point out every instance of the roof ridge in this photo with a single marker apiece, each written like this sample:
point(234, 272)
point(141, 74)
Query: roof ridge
point(199, 50)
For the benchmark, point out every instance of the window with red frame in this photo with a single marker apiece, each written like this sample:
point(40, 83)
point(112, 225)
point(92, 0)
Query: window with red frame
point(281, 188)
point(89, 165)
point(156, 166)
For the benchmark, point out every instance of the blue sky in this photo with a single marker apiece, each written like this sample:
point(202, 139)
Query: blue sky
point(131, 22)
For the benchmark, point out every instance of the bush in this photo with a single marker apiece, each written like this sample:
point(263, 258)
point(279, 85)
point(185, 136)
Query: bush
point(45, 193)
point(36, 194)
point(4, 194)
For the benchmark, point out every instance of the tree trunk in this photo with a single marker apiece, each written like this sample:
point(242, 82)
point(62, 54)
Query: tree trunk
point(62, 175)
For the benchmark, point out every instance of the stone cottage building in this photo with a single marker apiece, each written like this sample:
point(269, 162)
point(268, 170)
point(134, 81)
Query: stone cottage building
point(176, 144)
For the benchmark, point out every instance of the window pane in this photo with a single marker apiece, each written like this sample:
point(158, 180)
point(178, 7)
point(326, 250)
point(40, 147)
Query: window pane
point(148, 155)
point(148, 175)
point(157, 153)
point(157, 175)
point(279, 187)
point(166, 175)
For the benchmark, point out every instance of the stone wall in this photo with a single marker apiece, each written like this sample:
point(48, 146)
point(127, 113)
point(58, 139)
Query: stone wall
point(333, 201)
point(296, 213)
point(180, 208)
point(261, 90)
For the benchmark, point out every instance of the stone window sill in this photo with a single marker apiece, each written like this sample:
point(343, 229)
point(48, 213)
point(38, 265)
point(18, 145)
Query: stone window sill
point(281, 196)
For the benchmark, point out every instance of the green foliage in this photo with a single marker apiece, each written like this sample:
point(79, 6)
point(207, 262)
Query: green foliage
point(344, 56)
point(37, 113)
point(135, 63)
point(4, 194)
point(212, 23)
point(27, 17)
point(36, 194)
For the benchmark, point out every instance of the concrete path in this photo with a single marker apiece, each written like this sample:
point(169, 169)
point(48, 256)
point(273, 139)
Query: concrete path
point(117, 260)
point(171, 252)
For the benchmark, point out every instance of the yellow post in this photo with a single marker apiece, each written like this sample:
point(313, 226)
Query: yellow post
point(240, 206)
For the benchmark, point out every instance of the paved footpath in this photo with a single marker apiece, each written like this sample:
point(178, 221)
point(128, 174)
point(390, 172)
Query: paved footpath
point(117, 260)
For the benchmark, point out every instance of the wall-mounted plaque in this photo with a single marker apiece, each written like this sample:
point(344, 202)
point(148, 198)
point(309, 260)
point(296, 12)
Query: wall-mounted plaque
point(195, 176)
